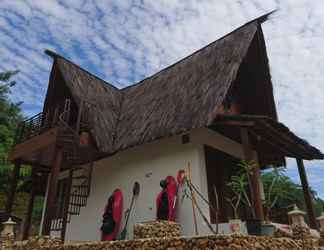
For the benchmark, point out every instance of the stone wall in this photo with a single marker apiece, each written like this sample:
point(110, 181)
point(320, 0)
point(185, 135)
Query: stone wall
point(219, 242)
point(156, 229)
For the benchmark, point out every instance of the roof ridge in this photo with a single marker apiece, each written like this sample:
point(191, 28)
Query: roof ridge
point(259, 19)
point(54, 55)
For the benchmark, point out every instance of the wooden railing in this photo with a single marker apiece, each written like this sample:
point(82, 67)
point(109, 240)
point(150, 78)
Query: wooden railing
point(30, 127)
point(41, 122)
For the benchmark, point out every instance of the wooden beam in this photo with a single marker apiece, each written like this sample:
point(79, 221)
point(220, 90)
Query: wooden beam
point(302, 151)
point(79, 117)
point(12, 188)
point(307, 194)
point(255, 178)
point(269, 141)
point(235, 123)
point(218, 141)
point(51, 194)
point(29, 212)
point(66, 205)
point(34, 144)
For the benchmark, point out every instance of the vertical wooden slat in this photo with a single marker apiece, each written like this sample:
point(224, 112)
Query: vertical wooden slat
point(29, 212)
point(12, 188)
point(66, 205)
point(79, 117)
point(255, 177)
point(307, 194)
point(50, 199)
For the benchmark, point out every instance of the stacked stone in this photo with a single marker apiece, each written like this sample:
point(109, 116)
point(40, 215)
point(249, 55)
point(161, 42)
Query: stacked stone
point(300, 232)
point(282, 234)
point(321, 240)
point(37, 241)
point(6, 242)
point(219, 242)
point(216, 242)
point(156, 229)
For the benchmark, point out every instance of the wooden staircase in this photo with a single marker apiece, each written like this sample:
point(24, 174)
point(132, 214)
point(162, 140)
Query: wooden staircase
point(78, 196)
point(69, 140)
point(78, 183)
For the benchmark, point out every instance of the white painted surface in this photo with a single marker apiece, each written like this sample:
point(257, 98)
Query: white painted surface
point(147, 164)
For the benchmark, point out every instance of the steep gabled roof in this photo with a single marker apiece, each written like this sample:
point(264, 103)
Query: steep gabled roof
point(184, 95)
point(104, 100)
point(181, 97)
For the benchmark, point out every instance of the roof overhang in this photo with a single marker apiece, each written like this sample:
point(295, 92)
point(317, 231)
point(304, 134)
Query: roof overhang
point(280, 141)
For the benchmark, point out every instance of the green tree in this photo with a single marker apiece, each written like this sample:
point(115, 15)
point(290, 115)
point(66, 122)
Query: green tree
point(280, 189)
point(10, 116)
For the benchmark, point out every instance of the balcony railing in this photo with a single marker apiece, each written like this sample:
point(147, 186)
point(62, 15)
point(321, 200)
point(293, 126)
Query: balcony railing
point(34, 126)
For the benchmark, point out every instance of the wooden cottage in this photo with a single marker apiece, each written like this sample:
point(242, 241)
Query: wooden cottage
point(210, 109)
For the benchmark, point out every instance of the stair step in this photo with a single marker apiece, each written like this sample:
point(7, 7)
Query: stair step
point(67, 136)
point(80, 186)
point(80, 177)
point(73, 213)
point(81, 204)
point(79, 195)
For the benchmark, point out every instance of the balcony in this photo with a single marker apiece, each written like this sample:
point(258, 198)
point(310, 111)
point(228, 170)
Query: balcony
point(35, 126)
point(36, 137)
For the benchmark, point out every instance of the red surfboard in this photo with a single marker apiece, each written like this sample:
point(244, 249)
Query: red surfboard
point(112, 216)
point(166, 199)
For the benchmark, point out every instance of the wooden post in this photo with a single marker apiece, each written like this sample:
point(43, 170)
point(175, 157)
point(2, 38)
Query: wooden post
point(51, 194)
point(29, 213)
point(66, 204)
point(12, 188)
point(78, 124)
point(255, 177)
point(307, 194)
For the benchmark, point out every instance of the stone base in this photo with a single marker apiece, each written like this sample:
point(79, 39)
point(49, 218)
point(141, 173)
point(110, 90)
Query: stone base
point(6, 242)
point(321, 240)
point(219, 242)
point(37, 242)
point(300, 232)
point(156, 229)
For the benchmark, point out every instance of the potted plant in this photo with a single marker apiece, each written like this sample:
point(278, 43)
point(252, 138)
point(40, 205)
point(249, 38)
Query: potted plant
point(273, 193)
point(237, 185)
point(253, 224)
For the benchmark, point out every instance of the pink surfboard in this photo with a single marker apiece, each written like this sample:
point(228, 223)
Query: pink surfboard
point(170, 191)
point(117, 210)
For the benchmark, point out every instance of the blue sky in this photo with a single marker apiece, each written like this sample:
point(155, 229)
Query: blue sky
point(124, 41)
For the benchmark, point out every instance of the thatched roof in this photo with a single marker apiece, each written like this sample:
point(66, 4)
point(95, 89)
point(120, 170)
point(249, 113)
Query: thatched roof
point(281, 139)
point(181, 97)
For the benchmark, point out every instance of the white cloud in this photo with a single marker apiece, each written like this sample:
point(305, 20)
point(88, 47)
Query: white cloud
point(124, 41)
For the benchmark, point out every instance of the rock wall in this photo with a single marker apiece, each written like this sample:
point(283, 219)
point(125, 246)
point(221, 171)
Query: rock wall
point(321, 241)
point(218, 242)
point(156, 229)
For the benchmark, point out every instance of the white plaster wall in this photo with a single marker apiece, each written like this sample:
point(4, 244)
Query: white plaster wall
point(147, 164)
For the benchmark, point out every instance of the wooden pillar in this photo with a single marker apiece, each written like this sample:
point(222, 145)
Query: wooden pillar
point(78, 124)
point(29, 212)
point(307, 194)
point(12, 188)
point(255, 177)
point(66, 204)
point(51, 194)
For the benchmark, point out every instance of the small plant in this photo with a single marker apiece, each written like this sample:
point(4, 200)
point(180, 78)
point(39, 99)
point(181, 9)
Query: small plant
point(238, 185)
point(273, 191)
